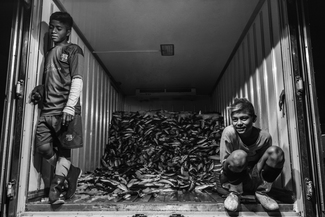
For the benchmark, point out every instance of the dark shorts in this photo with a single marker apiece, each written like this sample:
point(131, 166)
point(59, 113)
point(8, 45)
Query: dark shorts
point(48, 130)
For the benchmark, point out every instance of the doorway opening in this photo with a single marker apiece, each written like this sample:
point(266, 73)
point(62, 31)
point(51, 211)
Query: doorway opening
point(6, 14)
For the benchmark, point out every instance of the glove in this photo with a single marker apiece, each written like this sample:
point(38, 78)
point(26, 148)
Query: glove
point(37, 94)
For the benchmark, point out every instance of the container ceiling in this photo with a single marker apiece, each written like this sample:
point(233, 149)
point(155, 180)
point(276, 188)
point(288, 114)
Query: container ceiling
point(127, 34)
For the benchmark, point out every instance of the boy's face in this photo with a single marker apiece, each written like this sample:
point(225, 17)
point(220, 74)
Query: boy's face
point(243, 123)
point(59, 32)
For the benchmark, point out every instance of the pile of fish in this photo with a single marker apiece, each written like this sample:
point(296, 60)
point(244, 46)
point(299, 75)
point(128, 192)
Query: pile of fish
point(158, 151)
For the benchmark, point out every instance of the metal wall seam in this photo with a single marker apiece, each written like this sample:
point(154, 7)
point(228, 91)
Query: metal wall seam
point(108, 114)
point(100, 134)
point(244, 66)
point(94, 142)
point(74, 39)
point(102, 122)
point(96, 118)
point(86, 108)
point(105, 117)
point(85, 112)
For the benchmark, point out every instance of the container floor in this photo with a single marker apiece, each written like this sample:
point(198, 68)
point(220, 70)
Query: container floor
point(185, 204)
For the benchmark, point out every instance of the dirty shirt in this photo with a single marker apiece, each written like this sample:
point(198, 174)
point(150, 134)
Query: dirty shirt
point(230, 141)
point(63, 62)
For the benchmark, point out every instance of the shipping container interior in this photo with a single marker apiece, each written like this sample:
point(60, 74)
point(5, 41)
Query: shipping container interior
point(254, 69)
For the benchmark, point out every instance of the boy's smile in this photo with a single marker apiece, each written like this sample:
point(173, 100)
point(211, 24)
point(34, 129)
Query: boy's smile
point(243, 123)
point(59, 32)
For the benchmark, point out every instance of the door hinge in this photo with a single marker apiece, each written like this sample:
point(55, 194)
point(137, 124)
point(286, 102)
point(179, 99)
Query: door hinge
point(10, 189)
point(309, 189)
point(20, 89)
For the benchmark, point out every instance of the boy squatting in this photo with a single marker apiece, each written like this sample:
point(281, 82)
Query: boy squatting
point(59, 97)
point(250, 163)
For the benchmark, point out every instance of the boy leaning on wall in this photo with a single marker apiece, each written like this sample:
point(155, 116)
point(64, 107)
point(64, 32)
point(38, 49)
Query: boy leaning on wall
point(59, 125)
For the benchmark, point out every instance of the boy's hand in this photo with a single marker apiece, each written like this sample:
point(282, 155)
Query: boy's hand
point(37, 94)
point(66, 118)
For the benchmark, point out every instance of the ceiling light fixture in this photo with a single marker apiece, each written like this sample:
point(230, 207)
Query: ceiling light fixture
point(167, 49)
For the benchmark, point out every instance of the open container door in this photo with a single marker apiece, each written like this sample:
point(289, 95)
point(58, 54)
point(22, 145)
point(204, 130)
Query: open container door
point(309, 62)
point(305, 100)
point(11, 132)
point(7, 16)
point(314, 55)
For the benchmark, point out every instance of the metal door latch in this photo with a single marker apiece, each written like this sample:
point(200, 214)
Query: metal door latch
point(10, 189)
point(176, 215)
point(299, 86)
point(139, 215)
point(20, 89)
point(309, 189)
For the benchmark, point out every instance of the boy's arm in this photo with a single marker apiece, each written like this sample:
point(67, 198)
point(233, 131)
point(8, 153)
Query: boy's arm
point(225, 147)
point(37, 94)
point(74, 95)
point(76, 66)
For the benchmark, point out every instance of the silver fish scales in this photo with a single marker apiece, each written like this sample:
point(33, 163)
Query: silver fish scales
point(162, 150)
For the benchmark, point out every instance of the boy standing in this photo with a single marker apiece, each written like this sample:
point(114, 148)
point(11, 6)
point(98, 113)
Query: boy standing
point(249, 161)
point(60, 98)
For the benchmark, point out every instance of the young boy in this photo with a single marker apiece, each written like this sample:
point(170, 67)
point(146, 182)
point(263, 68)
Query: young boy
point(60, 98)
point(249, 161)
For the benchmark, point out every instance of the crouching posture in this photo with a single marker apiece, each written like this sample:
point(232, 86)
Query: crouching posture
point(59, 126)
point(250, 163)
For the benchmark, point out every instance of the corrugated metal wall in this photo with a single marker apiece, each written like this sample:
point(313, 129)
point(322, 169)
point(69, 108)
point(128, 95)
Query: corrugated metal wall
point(99, 100)
point(255, 72)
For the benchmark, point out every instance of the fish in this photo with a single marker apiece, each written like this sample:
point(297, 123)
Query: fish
point(157, 149)
point(204, 186)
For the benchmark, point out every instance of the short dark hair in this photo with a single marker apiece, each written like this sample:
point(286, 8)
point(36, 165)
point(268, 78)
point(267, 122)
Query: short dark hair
point(242, 105)
point(63, 17)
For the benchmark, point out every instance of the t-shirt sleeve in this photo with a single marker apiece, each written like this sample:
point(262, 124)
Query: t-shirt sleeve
point(76, 62)
point(226, 146)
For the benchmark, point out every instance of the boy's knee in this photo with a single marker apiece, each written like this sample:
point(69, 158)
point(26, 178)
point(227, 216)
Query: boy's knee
point(46, 150)
point(234, 168)
point(236, 161)
point(275, 156)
